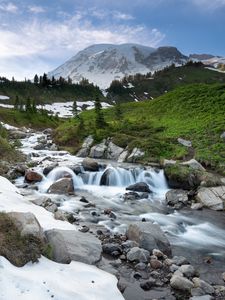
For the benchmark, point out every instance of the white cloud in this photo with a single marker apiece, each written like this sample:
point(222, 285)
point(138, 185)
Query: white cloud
point(122, 16)
point(53, 42)
point(10, 7)
point(36, 9)
point(209, 4)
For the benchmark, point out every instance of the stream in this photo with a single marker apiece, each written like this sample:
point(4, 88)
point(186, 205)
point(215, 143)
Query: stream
point(197, 235)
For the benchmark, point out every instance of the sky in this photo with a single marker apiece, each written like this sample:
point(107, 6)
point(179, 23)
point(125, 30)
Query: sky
point(38, 36)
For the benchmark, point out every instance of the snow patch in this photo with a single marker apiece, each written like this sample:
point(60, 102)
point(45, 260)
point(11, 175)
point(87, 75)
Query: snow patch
point(2, 97)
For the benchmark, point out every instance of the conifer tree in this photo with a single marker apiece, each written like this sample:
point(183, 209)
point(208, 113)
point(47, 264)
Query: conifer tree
point(99, 118)
point(36, 79)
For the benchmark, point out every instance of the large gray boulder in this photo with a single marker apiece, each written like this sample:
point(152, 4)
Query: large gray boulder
point(98, 151)
point(149, 236)
point(27, 224)
point(62, 186)
point(84, 151)
point(139, 187)
point(213, 198)
point(113, 151)
point(135, 155)
point(17, 134)
point(181, 283)
point(90, 165)
point(122, 156)
point(177, 198)
point(74, 245)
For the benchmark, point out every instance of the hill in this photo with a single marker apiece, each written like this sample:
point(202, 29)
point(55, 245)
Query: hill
point(194, 112)
point(142, 87)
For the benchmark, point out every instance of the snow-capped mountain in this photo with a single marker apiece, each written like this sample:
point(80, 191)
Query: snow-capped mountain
point(102, 63)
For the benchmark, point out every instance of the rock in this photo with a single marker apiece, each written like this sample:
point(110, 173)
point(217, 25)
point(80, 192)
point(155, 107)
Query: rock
point(84, 151)
point(46, 203)
point(147, 285)
point(223, 276)
point(149, 236)
point(187, 270)
point(135, 155)
point(140, 266)
point(130, 196)
point(76, 169)
point(213, 198)
point(179, 260)
point(173, 268)
point(181, 283)
point(32, 176)
point(196, 206)
point(122, 156)
point(167, 162)
point(53, 147)
point(177, 198)
point(194, 164)
point(62, 186)
point(17, 134)
point(139, 187)
point(113, 151)
point(71, 245)
point(185, 143)
point(222, 136)
point(127, 245)
point(90, 165)
point(105, 177)
point(40, 146)
point(138, 254)
point(157, 253)
point(205, 297)
point(156, 264)
point(64, 216)
point(16, 171)
point(113, 249)
point(48, 131)
point(27, 224)
point(98, 151)
point(207, 288)
point(49, 168)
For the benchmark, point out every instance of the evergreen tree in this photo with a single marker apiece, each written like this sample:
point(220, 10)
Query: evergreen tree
point(34, 107)
point(28, 107)
point(16, 103)
point(99, 118)
point(36, 79)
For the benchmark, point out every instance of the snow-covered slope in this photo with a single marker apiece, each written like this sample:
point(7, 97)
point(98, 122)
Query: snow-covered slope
point(103, 63)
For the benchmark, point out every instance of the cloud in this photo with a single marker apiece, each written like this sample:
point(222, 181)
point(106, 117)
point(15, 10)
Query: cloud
point(52, 42)
point(36, 9)
point(209, 4)
point(10, 7)
point(122, 16)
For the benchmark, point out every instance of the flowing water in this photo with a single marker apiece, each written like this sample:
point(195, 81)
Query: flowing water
point(195, 234)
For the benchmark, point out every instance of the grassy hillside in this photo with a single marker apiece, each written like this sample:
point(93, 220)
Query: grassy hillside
point(147, 86)
point(49, 93)
point(195, 112)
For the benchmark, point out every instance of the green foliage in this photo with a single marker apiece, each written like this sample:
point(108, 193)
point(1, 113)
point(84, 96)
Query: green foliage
point(99, 117)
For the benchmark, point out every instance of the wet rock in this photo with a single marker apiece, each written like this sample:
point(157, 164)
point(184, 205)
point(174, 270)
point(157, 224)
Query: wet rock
point(16, 171)
point(53, 147)
point(185, 143)
point(147, 285)
point(207, 288)
point(32, 176)
point(62, 186)
point(98, 151)
point(149, 236)
point(122, 156)
point(213, 198)
point(49, 168)
point(135, 155)
point(90, 165)
point(138, 254)
point(113, 151)
point(84, 151)
point(140, 266)
point(40, 146)
point(84, 228)
point(48, 131)
point(84, 200)
point(156, 264)
point(139, 187)
point(17, 134)
point(27, 224)
point(105, 177)
point(131, 196)
point(71, 245)
point(187, 270)
point(177, 198)
point(64, 216)
point(179, 260)
point(157, 253)
point(181, 283)
point(113, 249)
point(127, 245)
point(76, 169)
point(196, 206)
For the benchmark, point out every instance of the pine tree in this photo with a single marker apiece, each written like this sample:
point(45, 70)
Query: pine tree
point(36, 79)
point(16, 103)
point(99, 118)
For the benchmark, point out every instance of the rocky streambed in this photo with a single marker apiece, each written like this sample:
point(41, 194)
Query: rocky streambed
point(125, 219)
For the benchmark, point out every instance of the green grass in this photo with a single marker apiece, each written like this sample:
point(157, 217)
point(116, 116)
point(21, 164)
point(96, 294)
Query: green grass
point(194, 112)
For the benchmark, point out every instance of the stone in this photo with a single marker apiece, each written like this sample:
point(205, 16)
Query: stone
point(140, 266)
point(179, 260)
point(130, 196)
point(112, 249)
point(207, 288)
point(185, 143)
point(196, 206)
point(204, 297)
point(135, 155)
point(127, 245)
point(223, 276)
point(53, 147)
point(27, 224)
point(139, 187)
point(84, 151)
point(32, 176)
point(157, 253)
point(177, 198)
point(68, 245)
point(113, 151)
point(167, 162)
point(156, 264)
point(90, 165)
point(149, 236)
point(173, 268)
point(17, 134)
point(62, 186)
point(213, 198)
point(138, 254)
point(105, 179)
point(147, 285)
point(187, 270)
point(98, 151)
point(194, 164)
point(49, 168)
point(181, 283)
point(122, 156)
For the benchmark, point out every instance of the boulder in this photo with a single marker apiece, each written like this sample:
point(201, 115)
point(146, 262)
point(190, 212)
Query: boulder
point(98, 151)
point(177, 198)
point(27, 224)
point(122, 156)
point(49, 168)
point(105, 177)
point(204, 297)
point(113, 151)
point(149, 236)
point(139, 255)
point(32, 176)
point(213, 198)
point(40, 146)
point(84, 151)
point(167, 162)
point(194, 164)
point(71, 245)
point(90, 165)
point(187, 270)
point(181, 283)
point(139, 187)
point(53, 147)
point(62, 186)
point(185, 143)
point(113, 249)
point(207, 288)
point(17, 134)
point(135, 155)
